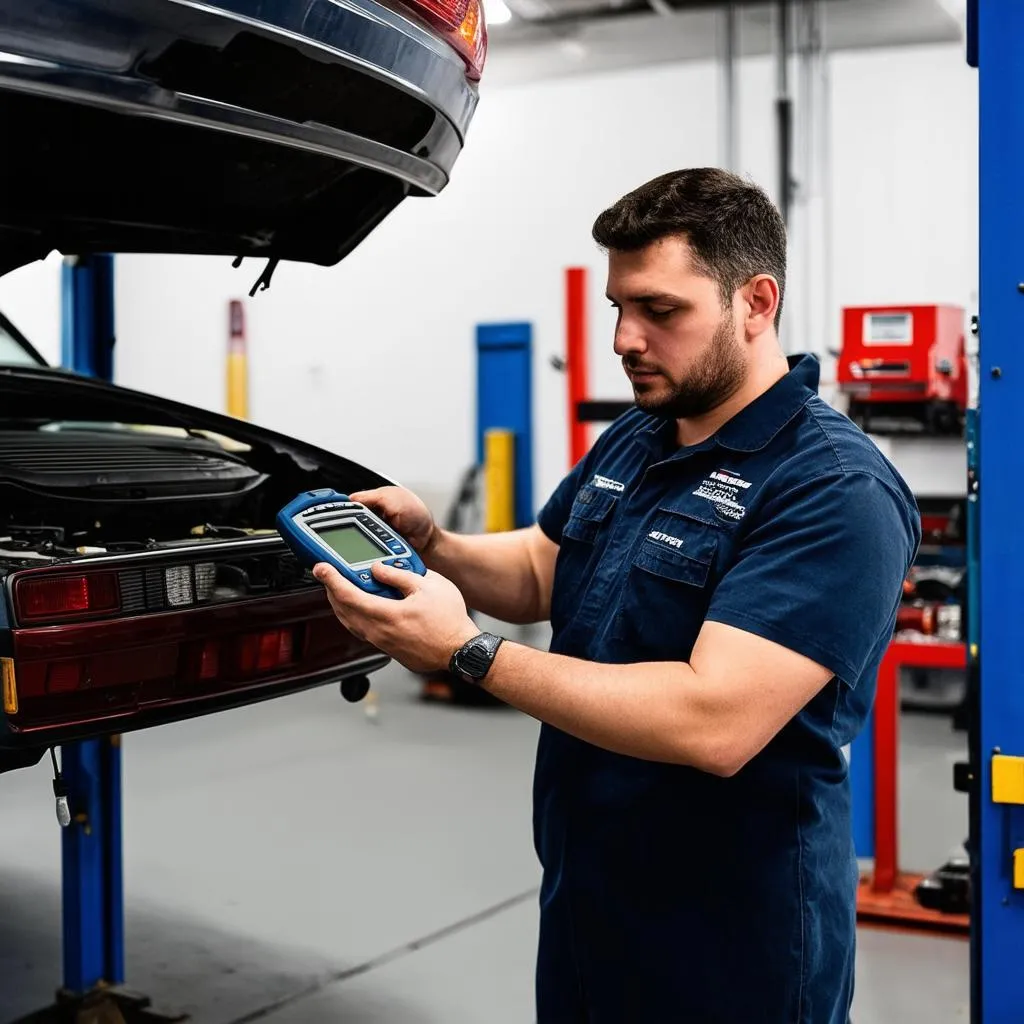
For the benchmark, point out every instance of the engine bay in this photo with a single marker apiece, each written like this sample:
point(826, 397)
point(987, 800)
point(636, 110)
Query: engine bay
point(85, 475)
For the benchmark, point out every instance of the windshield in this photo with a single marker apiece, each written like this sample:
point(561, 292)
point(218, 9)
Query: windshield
point(15, 348)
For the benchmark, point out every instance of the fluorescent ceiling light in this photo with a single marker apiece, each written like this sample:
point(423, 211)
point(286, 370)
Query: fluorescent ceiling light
point(497, 12)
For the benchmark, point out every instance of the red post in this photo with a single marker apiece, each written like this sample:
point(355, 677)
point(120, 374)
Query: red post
point(576, 358)
point(887, 716)
point(887, 710)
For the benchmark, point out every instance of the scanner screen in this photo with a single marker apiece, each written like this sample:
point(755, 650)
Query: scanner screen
point(352, 544)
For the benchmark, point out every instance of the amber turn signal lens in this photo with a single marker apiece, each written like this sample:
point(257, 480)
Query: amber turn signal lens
point(10, 686)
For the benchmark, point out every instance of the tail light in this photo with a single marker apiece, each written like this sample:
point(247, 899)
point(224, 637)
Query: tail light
point(464, 26)
point(64, 598)
point(263, 652)
point(209, 661)
point(247, 656)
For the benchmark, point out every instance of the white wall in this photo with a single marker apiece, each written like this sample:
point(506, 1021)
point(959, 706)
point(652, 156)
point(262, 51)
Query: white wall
point(30, 298)
point(905, 175)
point(374, 358)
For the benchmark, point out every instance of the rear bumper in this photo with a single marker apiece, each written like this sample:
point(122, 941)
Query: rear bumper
point(107, 54)
point(169, 126)
point(174, 710)
point(140, 671)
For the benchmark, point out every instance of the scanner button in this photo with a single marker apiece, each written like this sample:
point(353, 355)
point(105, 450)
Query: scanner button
point(400, 563)
point(366, 576)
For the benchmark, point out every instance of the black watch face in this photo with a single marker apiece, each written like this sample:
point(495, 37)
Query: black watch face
point(474, 660)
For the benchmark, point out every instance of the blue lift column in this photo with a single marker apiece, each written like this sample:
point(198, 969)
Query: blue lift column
point(995, 29)
point(90, 771)
point(91, 856)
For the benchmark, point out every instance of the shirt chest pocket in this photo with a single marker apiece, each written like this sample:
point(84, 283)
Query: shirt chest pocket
point(583, 540)
point(668, 587)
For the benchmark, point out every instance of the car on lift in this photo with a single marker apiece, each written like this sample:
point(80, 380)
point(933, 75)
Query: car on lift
point(143, 579)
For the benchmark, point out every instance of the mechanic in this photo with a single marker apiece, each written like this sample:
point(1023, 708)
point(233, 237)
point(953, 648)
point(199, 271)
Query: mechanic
point(722, 572)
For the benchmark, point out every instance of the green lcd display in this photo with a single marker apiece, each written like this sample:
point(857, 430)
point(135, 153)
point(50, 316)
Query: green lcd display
point(352, 544)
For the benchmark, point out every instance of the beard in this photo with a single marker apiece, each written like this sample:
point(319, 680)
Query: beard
point(717, 376)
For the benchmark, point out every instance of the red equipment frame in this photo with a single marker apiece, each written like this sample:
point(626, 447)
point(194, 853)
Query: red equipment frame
point(886, 896)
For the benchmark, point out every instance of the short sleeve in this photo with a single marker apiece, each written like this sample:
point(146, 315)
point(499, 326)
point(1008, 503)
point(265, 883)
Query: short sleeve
point(822, 571)
point(553, 516)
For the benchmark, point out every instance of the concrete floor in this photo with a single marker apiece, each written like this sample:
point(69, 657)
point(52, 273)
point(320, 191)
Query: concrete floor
point(299, 862)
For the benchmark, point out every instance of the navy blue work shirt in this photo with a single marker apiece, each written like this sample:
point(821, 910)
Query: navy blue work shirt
point(670, 894)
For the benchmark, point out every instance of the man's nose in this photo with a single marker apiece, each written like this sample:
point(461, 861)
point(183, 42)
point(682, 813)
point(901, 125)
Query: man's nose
point(629, 338)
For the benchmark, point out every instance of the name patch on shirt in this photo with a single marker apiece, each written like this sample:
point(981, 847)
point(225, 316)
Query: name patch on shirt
point(724, 490)
point(608, 485)
point(665, 538)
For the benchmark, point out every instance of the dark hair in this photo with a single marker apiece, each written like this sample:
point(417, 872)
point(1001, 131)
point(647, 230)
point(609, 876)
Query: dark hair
point(733, 229)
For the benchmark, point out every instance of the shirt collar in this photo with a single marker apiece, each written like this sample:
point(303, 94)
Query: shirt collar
point(756, 424)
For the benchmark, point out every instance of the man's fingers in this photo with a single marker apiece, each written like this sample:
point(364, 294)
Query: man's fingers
point(344, 614)
point(347, 594)
point(403, 580)
point(375, 499)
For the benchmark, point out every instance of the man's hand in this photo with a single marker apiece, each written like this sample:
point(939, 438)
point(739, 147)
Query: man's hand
point(421, 631)
point(404, 512)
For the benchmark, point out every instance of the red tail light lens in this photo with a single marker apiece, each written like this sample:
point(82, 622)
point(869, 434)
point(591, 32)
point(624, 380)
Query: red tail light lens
point(64, 676)
point(209, 661)
point(447, 14)
point(263, 652)
point(464, 26)
point(59, 598)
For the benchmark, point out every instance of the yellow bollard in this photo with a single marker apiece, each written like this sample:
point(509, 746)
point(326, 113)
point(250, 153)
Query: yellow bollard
point(237, 370)
point(499, 480)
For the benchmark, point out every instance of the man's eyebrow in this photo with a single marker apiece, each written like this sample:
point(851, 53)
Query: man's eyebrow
point(655, 297)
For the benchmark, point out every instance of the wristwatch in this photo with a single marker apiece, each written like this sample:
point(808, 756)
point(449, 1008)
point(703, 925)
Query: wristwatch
point(472, 661)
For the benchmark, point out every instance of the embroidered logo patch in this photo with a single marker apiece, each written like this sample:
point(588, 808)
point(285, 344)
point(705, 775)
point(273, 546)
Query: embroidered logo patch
point(724, 490)
point(607, 485)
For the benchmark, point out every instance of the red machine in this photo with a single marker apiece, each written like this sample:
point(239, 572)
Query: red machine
point(904, 364)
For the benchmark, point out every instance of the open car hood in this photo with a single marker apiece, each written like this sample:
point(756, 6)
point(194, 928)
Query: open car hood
point(40, 396)
point(282, 129)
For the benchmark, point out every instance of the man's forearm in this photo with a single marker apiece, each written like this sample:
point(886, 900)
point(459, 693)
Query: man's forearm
point(657, 711)
point(494, 571)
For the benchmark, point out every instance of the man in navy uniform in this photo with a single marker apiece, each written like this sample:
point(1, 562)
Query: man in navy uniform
point(722, 573)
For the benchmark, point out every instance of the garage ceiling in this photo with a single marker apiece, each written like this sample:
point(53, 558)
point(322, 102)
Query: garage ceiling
point(548, 38)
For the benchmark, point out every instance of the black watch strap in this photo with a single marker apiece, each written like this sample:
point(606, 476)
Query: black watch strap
point(472, 661)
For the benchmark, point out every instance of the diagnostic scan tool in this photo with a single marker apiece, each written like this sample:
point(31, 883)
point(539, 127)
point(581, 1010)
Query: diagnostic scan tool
point(325, 526)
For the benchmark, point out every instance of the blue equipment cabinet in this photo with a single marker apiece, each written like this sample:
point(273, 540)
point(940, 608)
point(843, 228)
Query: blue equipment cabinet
point(996, 28)
point(505, 400)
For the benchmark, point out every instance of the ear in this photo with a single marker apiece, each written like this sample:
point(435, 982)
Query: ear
point(761, 296)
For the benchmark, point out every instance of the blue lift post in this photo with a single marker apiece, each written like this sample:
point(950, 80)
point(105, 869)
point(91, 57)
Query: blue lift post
point(91, 861)
point(995, 29)
point(91, 857)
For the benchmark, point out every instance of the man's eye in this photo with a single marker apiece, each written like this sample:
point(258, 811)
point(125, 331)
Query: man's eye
point(659, 314)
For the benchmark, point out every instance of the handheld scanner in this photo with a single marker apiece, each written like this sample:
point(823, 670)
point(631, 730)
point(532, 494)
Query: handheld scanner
point(325, 526)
